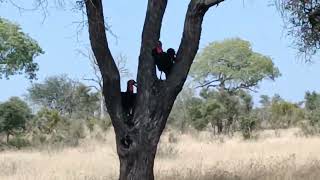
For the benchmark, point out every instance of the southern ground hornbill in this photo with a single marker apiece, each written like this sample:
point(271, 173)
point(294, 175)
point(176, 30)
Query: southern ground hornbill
point(164, 60)
point(128, 99)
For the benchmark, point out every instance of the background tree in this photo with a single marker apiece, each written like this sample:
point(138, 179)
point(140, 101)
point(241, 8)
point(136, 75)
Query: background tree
point(65, 95)
point(312, 100)
point(13, 116)
point(55, 92)
point(264, 112)
point(285, 114)
point(312, 107)
point(86, 102)
point(17, 51)
point(181, 115)
point(223, 108)
point(303, 23)
point(121, 61)
point(231, 65)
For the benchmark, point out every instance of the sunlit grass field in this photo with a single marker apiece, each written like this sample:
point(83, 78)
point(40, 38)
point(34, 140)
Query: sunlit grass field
point(192, 156)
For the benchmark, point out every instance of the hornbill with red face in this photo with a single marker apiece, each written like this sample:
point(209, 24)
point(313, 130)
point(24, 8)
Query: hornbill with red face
point(164, 60)
point(128, 99)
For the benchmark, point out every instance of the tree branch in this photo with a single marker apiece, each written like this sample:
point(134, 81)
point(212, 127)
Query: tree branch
point(210, 3)
point(190, 42)
point(150, 36)
point(209, 83)
point(147, 79)
point(107, 66)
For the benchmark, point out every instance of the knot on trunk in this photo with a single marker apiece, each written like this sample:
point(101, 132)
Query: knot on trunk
point(126, 142)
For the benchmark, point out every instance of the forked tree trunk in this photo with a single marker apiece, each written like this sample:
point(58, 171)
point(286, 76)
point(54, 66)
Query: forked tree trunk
point(137, 140)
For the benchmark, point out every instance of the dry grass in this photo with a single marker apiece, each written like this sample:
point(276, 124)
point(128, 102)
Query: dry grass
point(198, 157)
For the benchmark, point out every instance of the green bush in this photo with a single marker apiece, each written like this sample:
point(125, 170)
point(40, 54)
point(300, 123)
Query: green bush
point(19, 142)
point(247, 126)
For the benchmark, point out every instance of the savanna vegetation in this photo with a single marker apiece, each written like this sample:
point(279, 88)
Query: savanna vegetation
point(214, 114)
point(213, 129)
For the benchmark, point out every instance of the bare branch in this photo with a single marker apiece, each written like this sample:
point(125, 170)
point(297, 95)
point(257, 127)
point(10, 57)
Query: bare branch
point(107, 66)
point(208, 83)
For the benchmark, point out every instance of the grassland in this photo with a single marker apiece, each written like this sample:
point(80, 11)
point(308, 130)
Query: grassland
point(193, 156)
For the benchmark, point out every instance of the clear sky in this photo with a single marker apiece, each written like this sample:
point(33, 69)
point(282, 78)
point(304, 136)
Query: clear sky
point(60, 35)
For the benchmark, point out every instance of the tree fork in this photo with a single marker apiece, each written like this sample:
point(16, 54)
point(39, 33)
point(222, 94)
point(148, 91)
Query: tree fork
point(137, 142)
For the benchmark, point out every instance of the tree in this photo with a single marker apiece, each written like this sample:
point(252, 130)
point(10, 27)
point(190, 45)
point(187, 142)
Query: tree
point(312, 101)
point(303, 23)
point(231, 65)
point(285, 114)
point(46, 120)
point(86, 102)
point(181, 115)
point(264, 100)
point(137, 143)
point(17, 51)
point(63, 94)
point(121, 62)
point(55, 92)
point(222, 108)
point(13, 116)
point(312, 107)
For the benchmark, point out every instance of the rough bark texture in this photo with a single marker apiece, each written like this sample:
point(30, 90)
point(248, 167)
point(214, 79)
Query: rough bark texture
point(137, 143)
point(8, 135)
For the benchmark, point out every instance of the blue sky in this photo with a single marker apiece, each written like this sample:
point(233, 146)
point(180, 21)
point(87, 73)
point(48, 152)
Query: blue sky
point(253, 20)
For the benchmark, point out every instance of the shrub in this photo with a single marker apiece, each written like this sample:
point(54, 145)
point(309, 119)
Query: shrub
point(19, 142)
point(247, 125)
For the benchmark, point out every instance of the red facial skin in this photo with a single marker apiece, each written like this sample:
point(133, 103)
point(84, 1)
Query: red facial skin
point(131, 84)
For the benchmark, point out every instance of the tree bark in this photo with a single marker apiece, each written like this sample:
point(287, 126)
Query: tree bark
point(138, 164)
point(8, 136)
point(137, 141)
point(220, 126)
point(102, 112)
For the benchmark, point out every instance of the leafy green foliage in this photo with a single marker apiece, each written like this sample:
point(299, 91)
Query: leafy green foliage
point(19, 142)
point(285, 114)
point(232, 65)
point(17, 51)
point(51, 128)
point(247, 125)
point(64, 95)
point(312, 101)
point(277, 113)
point(85, 101)
point(13, 116)
point(312, 105)
point(46, 120)
point(183, 110)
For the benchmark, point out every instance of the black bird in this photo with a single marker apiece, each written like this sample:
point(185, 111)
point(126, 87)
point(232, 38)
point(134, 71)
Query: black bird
point(164, 60)
point(128, 99)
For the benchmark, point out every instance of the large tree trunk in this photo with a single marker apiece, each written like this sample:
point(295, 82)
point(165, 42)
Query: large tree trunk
point(138, 164)
point(137, 140)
